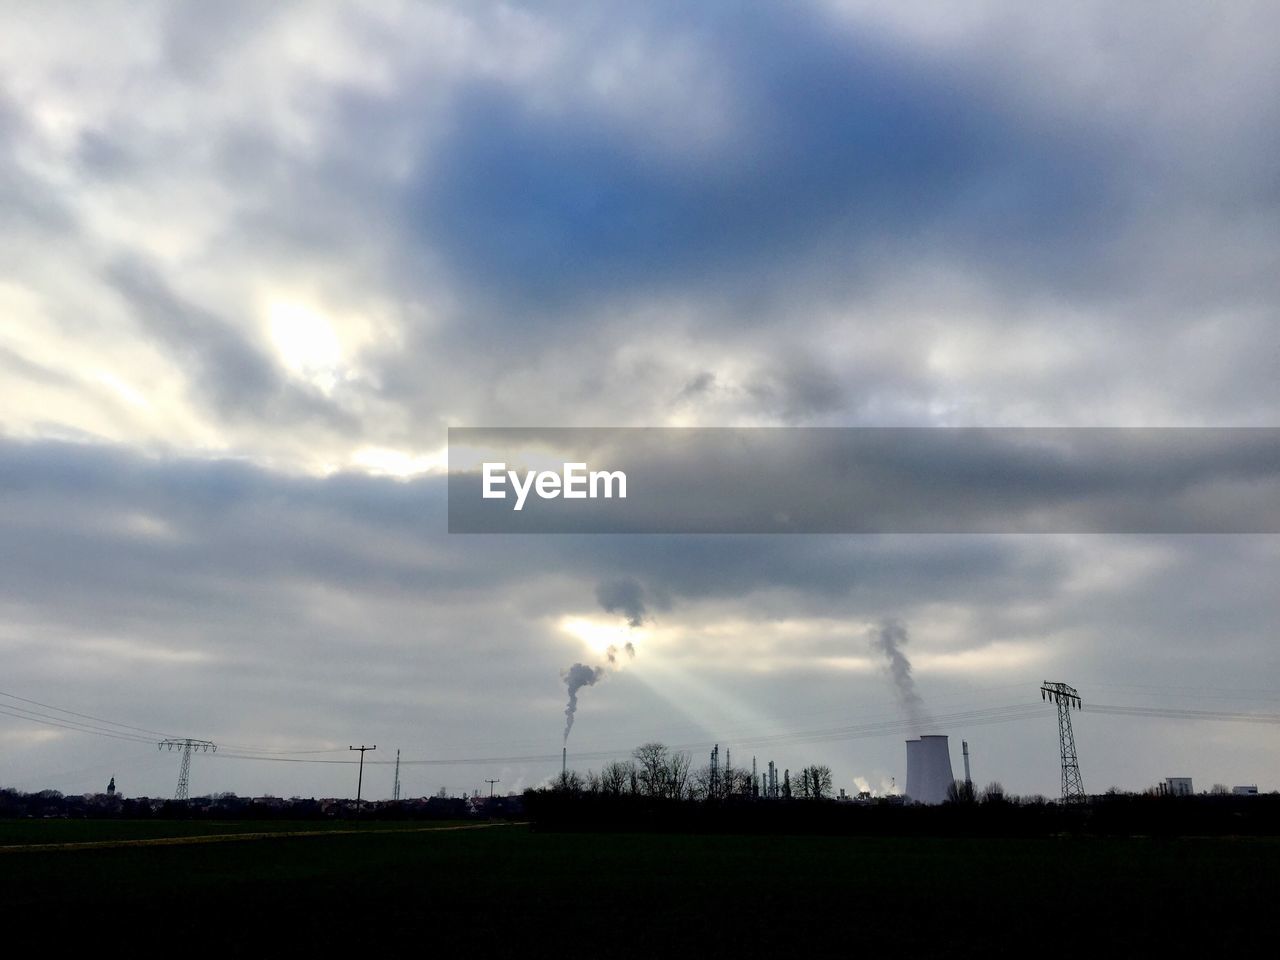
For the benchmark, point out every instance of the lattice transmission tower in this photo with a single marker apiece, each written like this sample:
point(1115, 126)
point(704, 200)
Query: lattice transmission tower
point(186, 745)
point(1066, 697)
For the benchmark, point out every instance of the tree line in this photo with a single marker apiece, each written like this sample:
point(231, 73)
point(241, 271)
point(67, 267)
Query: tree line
point(656, 771)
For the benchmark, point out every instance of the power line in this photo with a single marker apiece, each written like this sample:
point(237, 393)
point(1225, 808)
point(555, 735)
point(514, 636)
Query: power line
point(36, 717)
point(982, 717)
point(85, 716)
point(1176, 713)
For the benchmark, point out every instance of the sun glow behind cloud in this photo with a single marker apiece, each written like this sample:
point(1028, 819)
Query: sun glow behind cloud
point(598, 635)
point(306, 342)
point(401, 464)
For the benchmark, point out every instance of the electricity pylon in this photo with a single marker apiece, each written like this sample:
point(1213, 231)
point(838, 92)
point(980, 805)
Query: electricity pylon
point(184, 774)
point(1066, 697)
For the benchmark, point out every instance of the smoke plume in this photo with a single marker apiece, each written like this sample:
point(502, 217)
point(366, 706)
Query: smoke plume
point(624, 596)
point(889, 639)
point(575, 678)
point(611, 654)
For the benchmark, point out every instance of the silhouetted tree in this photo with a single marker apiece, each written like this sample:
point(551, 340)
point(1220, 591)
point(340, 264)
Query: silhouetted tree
point(568, 781)
point(737, 782)
point(651, 768)
point(705, 785)
point(661, 772)
point(618, 778)
point(679, 781)
point(813, 782)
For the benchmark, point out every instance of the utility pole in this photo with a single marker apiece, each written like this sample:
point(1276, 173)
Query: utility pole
point(491, 783)
point(186, 745)
point(360, 780)
point(1066, 697)
point(395, 793)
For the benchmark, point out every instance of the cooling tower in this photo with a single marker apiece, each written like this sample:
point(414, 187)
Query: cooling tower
point(928, 769)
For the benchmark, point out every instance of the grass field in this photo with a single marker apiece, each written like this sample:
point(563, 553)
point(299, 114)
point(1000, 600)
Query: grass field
point(56, 831)
point(508, 889)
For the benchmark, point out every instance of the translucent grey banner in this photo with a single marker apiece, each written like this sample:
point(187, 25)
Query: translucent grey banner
point(864, 480)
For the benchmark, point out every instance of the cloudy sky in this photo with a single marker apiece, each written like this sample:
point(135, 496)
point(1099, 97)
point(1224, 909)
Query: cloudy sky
point(257, 259)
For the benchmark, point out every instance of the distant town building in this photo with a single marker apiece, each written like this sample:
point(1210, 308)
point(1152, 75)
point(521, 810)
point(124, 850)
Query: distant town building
point(1251, 790)
point(1178, 786)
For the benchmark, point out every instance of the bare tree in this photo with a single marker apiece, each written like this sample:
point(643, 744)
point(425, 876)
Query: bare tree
point(704, 784)
point(737, 782)
point(567, 781)
point(651, 769)
point(960, 792)
point(679, 779)
point(617, 777)
point(993, 792)
point(813, 782)
point(661, 772)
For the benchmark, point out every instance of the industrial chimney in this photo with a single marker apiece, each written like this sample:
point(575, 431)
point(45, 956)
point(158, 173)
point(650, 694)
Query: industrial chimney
point(929, 769)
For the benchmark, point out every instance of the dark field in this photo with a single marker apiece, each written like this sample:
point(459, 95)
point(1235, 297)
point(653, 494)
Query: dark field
point(510, 890)
point(27, 832)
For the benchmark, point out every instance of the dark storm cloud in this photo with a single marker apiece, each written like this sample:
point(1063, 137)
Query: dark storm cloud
point(624, 596)
point(853, 169)
point(844, 147)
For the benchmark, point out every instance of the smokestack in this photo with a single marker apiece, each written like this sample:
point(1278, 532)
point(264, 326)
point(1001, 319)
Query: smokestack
point(929, 769)
point(967, 781)
point(564, 760)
